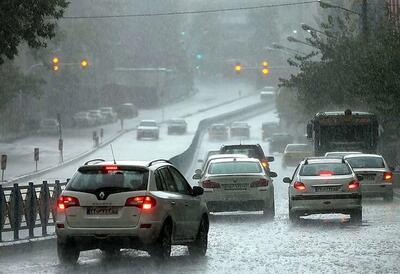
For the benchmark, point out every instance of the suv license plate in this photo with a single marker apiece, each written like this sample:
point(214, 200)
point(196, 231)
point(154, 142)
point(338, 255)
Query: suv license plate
point(101, 211)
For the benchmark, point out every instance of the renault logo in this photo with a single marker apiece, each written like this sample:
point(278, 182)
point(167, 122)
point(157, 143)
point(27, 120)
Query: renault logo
point(102, 195)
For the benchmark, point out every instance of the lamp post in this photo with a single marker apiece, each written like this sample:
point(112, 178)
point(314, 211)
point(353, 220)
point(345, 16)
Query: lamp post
point(295, 40)
point(287, 49)
point(308, 28)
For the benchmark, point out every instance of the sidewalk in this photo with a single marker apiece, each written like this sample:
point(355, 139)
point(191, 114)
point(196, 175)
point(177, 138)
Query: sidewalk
point(77, 141)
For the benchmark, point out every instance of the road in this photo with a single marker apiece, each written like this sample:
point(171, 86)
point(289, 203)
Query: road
point(244, 242)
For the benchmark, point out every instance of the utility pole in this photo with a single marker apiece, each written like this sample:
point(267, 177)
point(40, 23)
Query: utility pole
point(364, 19)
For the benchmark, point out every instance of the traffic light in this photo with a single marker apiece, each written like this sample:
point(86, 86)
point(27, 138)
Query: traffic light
point(84, 63)
point(56, 68)
point(238, 67)
point(55, 63)
point(265, 69)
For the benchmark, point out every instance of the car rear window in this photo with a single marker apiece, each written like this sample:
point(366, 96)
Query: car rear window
point(366, 162)
point(234, 167)
point(92, 180)
point(325, 169)
point(250, 152)
point(148, 124)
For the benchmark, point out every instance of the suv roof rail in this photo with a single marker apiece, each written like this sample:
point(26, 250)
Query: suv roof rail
point(93, 161)
point(158, 160)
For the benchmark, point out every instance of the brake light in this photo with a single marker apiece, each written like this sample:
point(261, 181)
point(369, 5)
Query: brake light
point(353, 185)
point(259, 183)
point(110, 168)
point(65, 202)
point(387, 176)
point(143, 202)
point(265, 163)
point(326, 173)
point(210, 184)
point(299, 186)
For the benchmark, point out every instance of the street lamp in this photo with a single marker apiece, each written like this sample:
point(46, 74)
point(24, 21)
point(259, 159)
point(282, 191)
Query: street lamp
point(326, 5)
point(287, 50)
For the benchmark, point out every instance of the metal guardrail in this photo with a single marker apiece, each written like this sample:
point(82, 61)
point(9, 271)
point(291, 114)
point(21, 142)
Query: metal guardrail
point(20, 207)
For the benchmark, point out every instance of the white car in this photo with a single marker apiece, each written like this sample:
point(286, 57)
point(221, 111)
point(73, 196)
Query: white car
point(213, 157)
point(324, 185)
point(148, 129)
point(376, 173)
point(109, 114)
point(141, 205)
point(233, 184)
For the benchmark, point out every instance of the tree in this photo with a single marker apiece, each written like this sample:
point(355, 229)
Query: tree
point(30, 21)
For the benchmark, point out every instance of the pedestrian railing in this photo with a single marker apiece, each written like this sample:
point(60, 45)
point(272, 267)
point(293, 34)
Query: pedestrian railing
point(28, 207)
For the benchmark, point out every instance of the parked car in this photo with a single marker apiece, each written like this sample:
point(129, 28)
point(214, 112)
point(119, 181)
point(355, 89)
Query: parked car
point(295, 153)
point(109, 114)
point(268, 129)
point(324, 185)
point(129, 204)
point(218, 132)
point(83, 119)
point(233, 184)
point(278, 142)
point(240, 129)
point(177, 126)
point(378, 178)
point(97, 116)
point(148, 129)
point(49, 127)
point(251, 150)
point(127, 111)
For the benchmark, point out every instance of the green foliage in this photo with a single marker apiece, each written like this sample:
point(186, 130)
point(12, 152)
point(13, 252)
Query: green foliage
point(351, 71)
point(30, 21)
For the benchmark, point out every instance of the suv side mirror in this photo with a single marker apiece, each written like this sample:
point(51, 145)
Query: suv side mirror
point(196, 176)
point(270, 159)
point(360, 177)
point(197, 171)
point(287, 180)
point(197, 191)
point(273, 174)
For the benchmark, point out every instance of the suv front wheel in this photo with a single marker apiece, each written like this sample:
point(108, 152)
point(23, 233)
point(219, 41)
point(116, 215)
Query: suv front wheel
point(162, 247)
point(199, 246)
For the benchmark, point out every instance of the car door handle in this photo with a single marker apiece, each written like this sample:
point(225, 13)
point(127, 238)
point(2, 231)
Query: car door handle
point(173, 203)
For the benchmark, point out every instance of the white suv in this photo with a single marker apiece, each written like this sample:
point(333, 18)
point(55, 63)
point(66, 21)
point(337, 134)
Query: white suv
point(141, 205)
point(324, 185)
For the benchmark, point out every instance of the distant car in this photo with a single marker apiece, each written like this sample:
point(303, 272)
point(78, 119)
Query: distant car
point(340, 153)
point(83, 119)
point(49, 127)
point(378, 178)
point(295, 153)
point(148, 129)
point(278, 142)
point(267, 94)
point(127, 111)
point(97, 116)
point(109, 114)
point(218, 132)
point(251, 150)
point(240, 129)
point(177, 126)
point(126, 204)
point(324, 185)
point(208, 155)
point(268, 129)
point(233, 184)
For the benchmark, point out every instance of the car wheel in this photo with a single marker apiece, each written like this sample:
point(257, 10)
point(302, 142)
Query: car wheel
point(67, 253)
point(293, 216)
point(269, 212)
point(199, 247)
point(388, 197)
point(356, 215)
point(162, 247)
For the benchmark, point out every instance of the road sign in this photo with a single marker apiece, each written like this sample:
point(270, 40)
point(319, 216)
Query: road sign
point(3, 162)
point(36, 154)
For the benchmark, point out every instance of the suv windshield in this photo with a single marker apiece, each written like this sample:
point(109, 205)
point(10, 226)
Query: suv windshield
point(366, 162)
point(91, 180)
point(325, 169)
point(234, 167)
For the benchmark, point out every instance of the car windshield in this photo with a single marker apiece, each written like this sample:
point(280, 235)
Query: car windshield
point(148, 124)
point(366, 162)
point(98, 179)
point(234, 167)
point(325, 169)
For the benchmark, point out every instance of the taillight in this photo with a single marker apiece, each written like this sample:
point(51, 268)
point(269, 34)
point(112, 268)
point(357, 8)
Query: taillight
point(387, 176)
point(299, 186)
point(259, 183)
point(143, 202)
point(353, 185)
point(65, 202)
point(210, 184)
